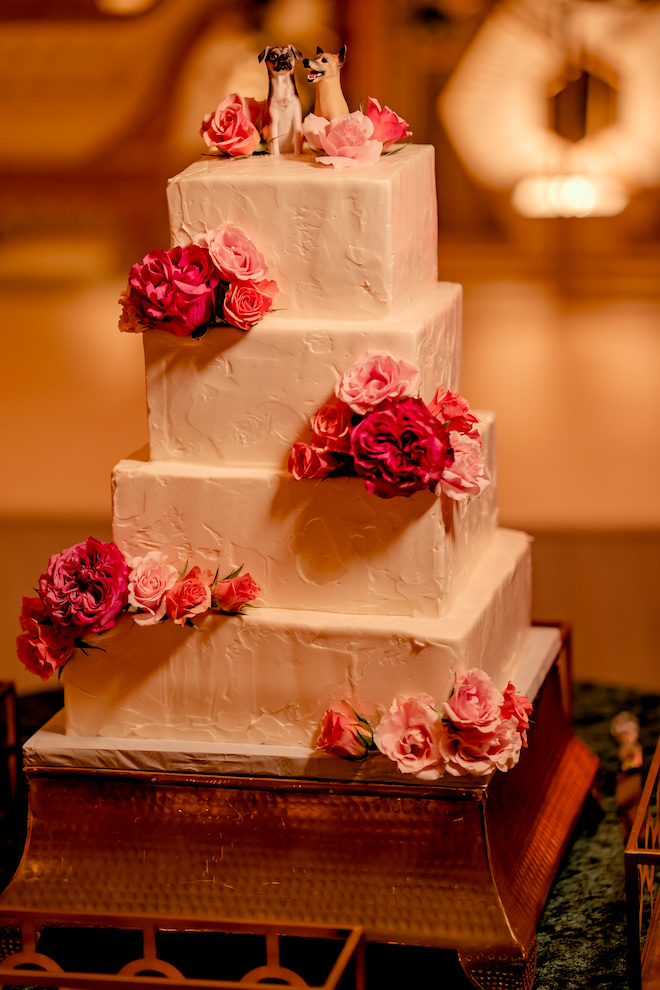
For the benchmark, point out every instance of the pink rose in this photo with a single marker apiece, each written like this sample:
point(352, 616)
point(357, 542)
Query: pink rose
point(477, 753)
point(452, 410)
point(233, 254)
point(148, 581)
point(314, 128)
point(230, 596)
point(231, 128)
point(467, 474)
point(388, 126)
point(410, 734)
point(347, 141)
point(331, 426)
point(517, 707)
point(85, 586)
point(374, 377)
point(475, 702)
point(42, 647)
point(189, 596)
point(170, 290)
point(345, 736)
point(305, 462)
point(399, 448)
point(246, 303)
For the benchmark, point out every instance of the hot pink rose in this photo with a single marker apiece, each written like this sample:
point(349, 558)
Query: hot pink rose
point(230, 596)
point(471, 752)
point(453, 411)
point(347, 141)
point(170, 290)
point(231, 129)
point(388, 126)
point(399, 449)
point(85, 586)
point(410, 734)
point(331, 426)
point(148, 581)
point(246, 303)
point(305, 462)
point(344, 735)
point(42, 647)
point(467, 474)
point(377, 375)
point(233, 254)
point(517, 707)
point(475, 702)
point(190, 596)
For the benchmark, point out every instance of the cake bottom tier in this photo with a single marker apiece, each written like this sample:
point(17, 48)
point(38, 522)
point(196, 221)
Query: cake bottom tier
point(268, 676)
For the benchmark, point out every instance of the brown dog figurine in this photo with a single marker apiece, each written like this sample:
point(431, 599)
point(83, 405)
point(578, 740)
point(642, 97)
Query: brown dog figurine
point(324, 72)
point(282, 117)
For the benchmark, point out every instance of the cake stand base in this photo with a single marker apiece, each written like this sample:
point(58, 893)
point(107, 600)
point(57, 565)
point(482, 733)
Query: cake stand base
point(464, 865)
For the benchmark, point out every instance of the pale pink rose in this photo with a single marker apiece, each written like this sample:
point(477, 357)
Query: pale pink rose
point(231, 129)
point(331, 426)
point(376, 376)
point(189, 597)
point(410, 734)
point(471, 752)
point(475, 702)
point(388, 126)
point(344, 735)
point(517, 707)
point(313, 130)
point(348, 142)
point(467, 474)
point(305, 462)
point(230, 596)
point(42, 647)
point(234, 254)
point(85, 586)
point(453, 411)
point(246, 303)
point(150, 578)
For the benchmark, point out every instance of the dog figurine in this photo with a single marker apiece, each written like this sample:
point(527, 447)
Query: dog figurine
point(282, 116)
point(324, 72)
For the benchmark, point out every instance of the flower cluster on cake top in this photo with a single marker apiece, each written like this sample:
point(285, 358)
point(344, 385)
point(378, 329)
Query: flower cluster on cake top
point(477, 730)
point(381, 431)
point(221, 279)
point(87, 587)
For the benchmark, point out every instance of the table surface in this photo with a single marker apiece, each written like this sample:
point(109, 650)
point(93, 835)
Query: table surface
point(582, 931)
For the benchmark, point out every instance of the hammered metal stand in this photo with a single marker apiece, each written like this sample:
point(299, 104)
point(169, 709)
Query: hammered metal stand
point(465, 866)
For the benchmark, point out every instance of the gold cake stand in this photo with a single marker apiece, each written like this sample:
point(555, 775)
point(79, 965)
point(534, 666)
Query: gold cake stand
point(464, 865)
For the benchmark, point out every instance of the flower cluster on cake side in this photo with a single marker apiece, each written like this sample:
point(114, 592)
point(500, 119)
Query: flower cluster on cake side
point(88, 586)
point(381, 431)
point(476, 731)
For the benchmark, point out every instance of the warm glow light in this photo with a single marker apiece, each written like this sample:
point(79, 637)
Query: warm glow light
point(568, 196)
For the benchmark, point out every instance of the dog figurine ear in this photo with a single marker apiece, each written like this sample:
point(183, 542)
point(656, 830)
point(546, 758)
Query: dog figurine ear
point(342, 54)
point(319, 50)
point(264, 53)
point(297, 54)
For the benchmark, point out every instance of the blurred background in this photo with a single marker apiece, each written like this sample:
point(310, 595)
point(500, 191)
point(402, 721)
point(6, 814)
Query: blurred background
point(545, 116)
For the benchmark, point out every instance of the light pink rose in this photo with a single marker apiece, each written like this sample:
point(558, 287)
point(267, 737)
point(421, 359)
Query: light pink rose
point(410, 734)
point(42, 647)
point(344, 735)
point(347, 142)
point(230, 596)
point(231, 129)
point(85, 586)
point(234, 254)
point(189, 597)
point(453, 411)
point(388, 126)
point(476, 753)
point(467, 474)
point(246, 303)
point(376, 376)
point(331, 426)
point(150, 578)
point(475, 702)
point(305, 462)
point(313, 130)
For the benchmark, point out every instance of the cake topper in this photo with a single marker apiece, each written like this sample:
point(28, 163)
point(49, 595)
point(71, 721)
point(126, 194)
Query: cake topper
point(281, 126)
point(324, 72)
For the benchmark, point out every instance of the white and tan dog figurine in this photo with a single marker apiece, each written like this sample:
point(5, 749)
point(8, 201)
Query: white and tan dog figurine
point(324, 71)
point(281, 125)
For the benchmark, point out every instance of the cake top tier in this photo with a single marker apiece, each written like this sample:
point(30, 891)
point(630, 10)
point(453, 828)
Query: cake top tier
point(348, 244)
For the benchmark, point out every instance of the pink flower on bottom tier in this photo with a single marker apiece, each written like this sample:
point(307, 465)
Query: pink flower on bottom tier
point(388, 126)
point(85, 586)
point(230, 596)
point(231, 128)
point(399, 449)
point(246, 303)
point(475, 702)
point(374, 377)
point(467, 474)
point(189, 597)
point(306, 462)
point(43, 648)
point(149, 580)
point(410, 734)
point(344, 735)
point(331, 426)
point(234, 254)
point(348, 141)
point(518, 707)
point(477, 753)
